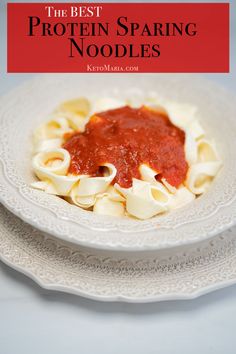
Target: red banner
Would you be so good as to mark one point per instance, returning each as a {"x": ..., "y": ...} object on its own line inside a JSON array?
[{"x": 118, "y": 37}]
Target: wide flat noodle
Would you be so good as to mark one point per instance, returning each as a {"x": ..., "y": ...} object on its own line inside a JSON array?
[
  {"x": 149, "y": 175},
  {"x": 70, "y": 116},
  {"x": 55, "y": 128},
  {"x": 95, "y": 185},
  {"x": 82, "y": 201},
  {"x": 45, "y": 186},
  {"x": 205, "y": 168},
  {"x": 182, "y": 197},
  {"x": 106, "y": 103},
  {"x": 178, "y": 196},
  {"x": 106, "y": 206},
  {"x": 78, "y": 106},
  {"x": 181, "y": 115},
  {"x": 200, "y": 175},
  {"x": 144, "y": 200},
  {"x": 90, "y": 200},
  {"x": 48, "y": 144},
  {"x": 206, "y": 151},
  {"x": 196, "y": 130},
  {"x": 190, "y": 148},
  {"x": 52, "y": 165}
]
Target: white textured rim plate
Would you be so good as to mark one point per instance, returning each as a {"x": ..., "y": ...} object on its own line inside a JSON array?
[
  {"x": 29, "y": 105},
  {"x": 143, "y": 277}
]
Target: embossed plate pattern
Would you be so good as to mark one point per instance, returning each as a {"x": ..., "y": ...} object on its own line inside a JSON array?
[
  {"x": 143, "y": 277},
  {"x": 24, "y": 108}
]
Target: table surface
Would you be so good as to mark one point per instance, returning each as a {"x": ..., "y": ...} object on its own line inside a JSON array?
[{"x": 34, "y": 320}]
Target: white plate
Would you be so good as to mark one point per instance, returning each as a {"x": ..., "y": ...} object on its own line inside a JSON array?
[
  {"x": 142, "y": 277},
  {"x": 25, "y": 108}
]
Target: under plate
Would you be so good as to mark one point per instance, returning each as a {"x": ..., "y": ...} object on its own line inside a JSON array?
[{"x": 183, "y": 273}]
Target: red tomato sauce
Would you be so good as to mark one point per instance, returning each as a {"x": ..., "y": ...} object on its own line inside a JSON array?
[{"x": 128, "y": 137}]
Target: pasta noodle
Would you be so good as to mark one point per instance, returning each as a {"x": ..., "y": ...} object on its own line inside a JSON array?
[
  {"x": 51, "y": 166},
  {"x": 200, "y": 176},
  {"x": 182, "y": 197},
  {"x": 47, "y": 144},
  {"x": 55, "y": 128},
  {"x": 95, "y": 185},
  {"x": 105, "y": 205},
  {"x": 104, "y": 104},
  {"x": 206, "y": 166},
  {"x": 147, "y": 196},
  {"x": 144, "y": 200}
]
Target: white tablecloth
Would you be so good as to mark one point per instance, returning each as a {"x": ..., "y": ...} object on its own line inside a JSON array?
[{"x": 36, "y": 321}]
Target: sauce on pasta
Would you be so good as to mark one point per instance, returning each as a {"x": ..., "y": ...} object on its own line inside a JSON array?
[{"x": 128, "y": 137}]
